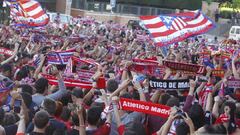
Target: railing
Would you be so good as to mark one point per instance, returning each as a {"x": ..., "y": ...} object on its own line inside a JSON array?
[{"x": 120, "y": 8}]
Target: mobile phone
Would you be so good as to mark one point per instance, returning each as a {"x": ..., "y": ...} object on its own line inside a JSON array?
[{"x": 17, "y": 106}]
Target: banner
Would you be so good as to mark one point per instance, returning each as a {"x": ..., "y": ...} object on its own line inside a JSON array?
[
  {"x": 6, "y": 51},
  {"x": 147, "y": 67},
  {"x": 185, "y": 67},
  {"x": 233, "y": 83},
  {"x": 169, "y": 84},
  {"x": 145, "y": 107}
]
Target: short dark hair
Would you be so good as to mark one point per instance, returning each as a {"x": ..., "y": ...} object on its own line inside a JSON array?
[
  {"x": 9, "y": 119},
  {"x": 215, "y": 129},
  {"x": 26, "y": 88},
  {"x": 66, "y": 113},
  {"x": 112, "y": 85},
  {"x": 93, "y": 115},
  {"x": 182, "y": 129},
  {"x": 77, "y": 92},
  {"x": 21, "y": 74},
  {"x": 135, "y": 128},
  {"x": 41, "y": 85},
  {"x": 126, "y": 95},
  {"x": 196, "y": 113},
  {"x": 59, "y": 132},
  {"x": 50, "y": 106},
  {"x": 164, "y": 98},
  {"x": 41, "y": 119},
  {"x": 75, "y": 120},
  {"x": 173, "y": 101},
  {"x": 6, "y": 67}
]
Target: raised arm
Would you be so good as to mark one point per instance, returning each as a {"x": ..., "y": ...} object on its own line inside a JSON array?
[
  {"x": 13, "y": 56},
  {"x": 80, "y": 110},
  {"x": 215, "y": 110},
  {"x": 122, "y": 86},
  {"x": 38, "y": 70},
  {"x": 62, "y": 88},
  {"x": 234, "y": 69}
]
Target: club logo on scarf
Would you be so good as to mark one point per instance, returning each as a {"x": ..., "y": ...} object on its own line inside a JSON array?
[
  {"x": 145, "y": 107},
  {"x": 59, "y": 58},
  {"x": 169, "y": 84},
  {"x": 185, "y": 67},
  {"x": 233, "y": 83}
]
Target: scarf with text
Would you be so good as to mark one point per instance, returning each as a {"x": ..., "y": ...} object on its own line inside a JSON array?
[
  {"x": 6, "y": 51},
  {"x": 233, "y": 83},
  {"x": 218, "y": 73},
  {"x": 147, "y": 67},
  {"x": 145, "y": 107},
  {"x": 185, "y": 67},
  {"x": 169, "y": 84}
]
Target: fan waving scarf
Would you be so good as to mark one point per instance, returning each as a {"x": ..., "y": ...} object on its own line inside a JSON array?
[
  {"x": 28, "y": 12},
  {"x": 169, "y": 29}
]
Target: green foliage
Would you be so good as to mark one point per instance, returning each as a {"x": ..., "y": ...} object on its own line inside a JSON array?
[
  {"x": 236, "y": 3},
  {"x": 226, "y": 14}
]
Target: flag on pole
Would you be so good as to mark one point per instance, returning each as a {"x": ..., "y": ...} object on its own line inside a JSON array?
[
  {"x": 169, "y": 29},
  {"x": 28, "y": 12}
]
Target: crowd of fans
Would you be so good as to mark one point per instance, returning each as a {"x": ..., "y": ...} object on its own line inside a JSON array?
[{"x": 31, "y": 105}]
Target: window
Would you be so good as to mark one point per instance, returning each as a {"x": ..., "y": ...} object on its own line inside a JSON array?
[
  {"x": 233, "y": 30},
  {"x": 237, "y": 31}
]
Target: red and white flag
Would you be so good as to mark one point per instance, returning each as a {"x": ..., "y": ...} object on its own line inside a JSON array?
[
  {"x": 169, "y": 29},
  {"x": 28, "y": 12}
]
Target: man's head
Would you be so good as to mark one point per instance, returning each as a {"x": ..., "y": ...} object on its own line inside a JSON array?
[
  {"x": 76, "y": 93},
  {"x": 41, "y": 119},
  {"x": 6, "y": 70},
  {"x": 112, "y": 85},
  {"x": 49, "y": 105},
  {"x": 25, "y": 88},
  {"x": 41, "y": 85},
  {"x": 93, "y": 115}
]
